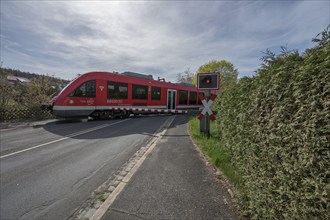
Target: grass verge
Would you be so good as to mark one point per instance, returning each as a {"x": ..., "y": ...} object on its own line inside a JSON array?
[{"x": 214, "y": 149}]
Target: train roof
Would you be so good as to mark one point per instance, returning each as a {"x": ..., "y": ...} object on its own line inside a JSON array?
[{"x": 139, "y": 75}]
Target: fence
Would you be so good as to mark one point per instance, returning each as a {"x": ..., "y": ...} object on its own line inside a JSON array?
[{"x": 23, "y": 114}]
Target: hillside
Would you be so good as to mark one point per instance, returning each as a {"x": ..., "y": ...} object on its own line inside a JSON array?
[{"x": 14, "y": 72}]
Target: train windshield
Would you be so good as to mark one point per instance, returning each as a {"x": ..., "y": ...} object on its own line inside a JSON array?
[
  {"x": 69, "y": 84},
  {"x": 87, "y": 89}
]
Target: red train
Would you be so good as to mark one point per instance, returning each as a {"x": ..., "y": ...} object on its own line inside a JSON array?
[{"x": 104, "y": 95}]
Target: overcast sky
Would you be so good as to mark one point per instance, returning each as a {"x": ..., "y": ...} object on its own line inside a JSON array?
[{"x": 162, "y": 38}]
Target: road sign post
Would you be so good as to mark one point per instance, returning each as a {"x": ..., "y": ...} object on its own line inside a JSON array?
[
  {"x": 205, "y": 122},
  {"x": 207, "y": 82}
]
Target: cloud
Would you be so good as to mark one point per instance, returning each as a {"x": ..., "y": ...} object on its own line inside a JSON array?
[{"x": 162, "y": 38}]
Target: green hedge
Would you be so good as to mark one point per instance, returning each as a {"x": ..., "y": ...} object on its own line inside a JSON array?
[{"x": 276, "y": 127}]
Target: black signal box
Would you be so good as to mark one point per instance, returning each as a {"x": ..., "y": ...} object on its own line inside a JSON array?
[{"x": 207, "y": 81}]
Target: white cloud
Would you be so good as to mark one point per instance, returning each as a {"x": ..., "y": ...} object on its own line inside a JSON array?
[{"x": 70, "y": 37}]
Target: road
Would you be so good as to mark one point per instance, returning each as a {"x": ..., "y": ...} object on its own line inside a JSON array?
[{"x": 48, "y": 171}]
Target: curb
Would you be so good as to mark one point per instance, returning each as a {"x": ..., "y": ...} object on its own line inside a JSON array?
[
  {"x": 216, "y": 171},
  {"x": 231, "y": 190}
]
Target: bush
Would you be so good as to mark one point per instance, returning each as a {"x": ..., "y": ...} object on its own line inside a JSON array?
[
  {"x": 276, "y": 127},
  {"x": 22, "y": 101}
]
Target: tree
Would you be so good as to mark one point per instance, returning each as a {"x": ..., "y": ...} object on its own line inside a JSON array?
[
  {"x": 186, "y": 77},
  {"x": 5, "y": 89},
  {"x": 38, "y": 91},
  {"x": 323, "y": 38}
]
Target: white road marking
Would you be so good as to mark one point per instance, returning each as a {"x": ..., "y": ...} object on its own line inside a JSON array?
[{"x": 64, "y": 138}]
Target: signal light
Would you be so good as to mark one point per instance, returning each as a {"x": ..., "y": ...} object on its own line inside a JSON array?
[{"x": 208, "y": 81}]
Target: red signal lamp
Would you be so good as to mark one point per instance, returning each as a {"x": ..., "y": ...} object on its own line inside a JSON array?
[{"x": 208, "y": 81}]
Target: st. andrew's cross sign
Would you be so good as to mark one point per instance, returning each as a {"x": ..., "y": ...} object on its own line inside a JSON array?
[
  {"x": 207, "y": 82},
  {"x": 207, "y": 107}
]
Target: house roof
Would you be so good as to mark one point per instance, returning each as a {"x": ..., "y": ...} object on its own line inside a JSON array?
[{"x": 17, "y": 79}]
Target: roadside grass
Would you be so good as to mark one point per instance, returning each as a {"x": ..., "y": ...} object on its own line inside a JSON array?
[{"x": 214, "y": 149}]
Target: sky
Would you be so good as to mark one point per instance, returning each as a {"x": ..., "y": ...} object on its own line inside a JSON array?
[{"x": 162, "y": 38}]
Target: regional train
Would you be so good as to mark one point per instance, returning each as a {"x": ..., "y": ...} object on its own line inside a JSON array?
[{"x": 105, "y": 95}]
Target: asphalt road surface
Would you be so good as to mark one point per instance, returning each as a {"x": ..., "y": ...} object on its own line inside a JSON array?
[{"x": 48, "y": 171}]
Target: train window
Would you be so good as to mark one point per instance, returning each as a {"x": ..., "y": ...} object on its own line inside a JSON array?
[
  {"x": 117, "y": 90},
  {"x": 87, "y": 89},
  {"x": 139, "y": 92},
  {"x": 155, "y": 93},
  {"x": 193, "y": 98},
  {"x": 183, "y": 97}
]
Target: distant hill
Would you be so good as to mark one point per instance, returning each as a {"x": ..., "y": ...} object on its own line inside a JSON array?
[{"x": 30, "y": 76}]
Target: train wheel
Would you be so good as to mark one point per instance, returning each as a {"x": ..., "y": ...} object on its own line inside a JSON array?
[
  {"x": 103, "y": 115},
  {"x": 107, "y": 115},
  {"x": 126, "y": 114}
]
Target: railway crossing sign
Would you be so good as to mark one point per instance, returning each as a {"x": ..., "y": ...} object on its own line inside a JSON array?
[
  {"x": 207, "y": 82},
  {"x": 207, "y": 107}
]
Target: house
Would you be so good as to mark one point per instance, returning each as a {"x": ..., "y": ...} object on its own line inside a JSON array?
[{"x": 15, "y": 79}]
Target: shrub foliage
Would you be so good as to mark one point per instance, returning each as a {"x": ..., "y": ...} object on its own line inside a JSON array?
[
  {"x": 21, "y": 101},
  {"x": 276, "y": 127}
]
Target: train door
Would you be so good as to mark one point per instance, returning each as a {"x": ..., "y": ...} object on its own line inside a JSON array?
[{"x": 171, "y": 99}]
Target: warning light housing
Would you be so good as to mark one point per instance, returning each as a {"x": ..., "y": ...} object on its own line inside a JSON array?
[{"x": 208, "y": 81}]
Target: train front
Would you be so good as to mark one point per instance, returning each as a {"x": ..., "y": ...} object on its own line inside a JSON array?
[{"x": 76, "y": 100}]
